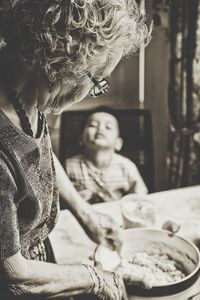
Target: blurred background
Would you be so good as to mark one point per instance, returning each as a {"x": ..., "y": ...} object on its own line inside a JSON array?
[{"x": 165, "y": 80}]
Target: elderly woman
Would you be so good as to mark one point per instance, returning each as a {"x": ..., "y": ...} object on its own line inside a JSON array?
[{"x": 52, "y": 54}]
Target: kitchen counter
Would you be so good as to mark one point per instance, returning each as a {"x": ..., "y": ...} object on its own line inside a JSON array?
[{"x": 71, "y": 244}]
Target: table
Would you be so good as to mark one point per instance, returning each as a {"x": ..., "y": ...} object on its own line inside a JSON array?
[
  {"x": 71, "y": 244},
  {"x": 180, "y": 205}
]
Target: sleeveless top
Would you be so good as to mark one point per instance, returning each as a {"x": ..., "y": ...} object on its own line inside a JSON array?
[{"x": 26, "y": 223}]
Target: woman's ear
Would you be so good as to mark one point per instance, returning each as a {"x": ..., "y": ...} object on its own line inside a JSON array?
[{"x": 119, "y": 144}]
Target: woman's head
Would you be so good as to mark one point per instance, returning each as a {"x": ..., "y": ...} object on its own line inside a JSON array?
[
  {"x": 70, "y": 38},
  {"x": 74, "y": 36}
]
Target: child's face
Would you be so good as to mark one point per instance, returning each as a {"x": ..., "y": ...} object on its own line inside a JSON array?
[{"x": 101, "y": 131}]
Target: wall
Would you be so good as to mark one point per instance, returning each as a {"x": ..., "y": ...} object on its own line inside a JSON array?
[
  {"x": 124, "y": 94},
  {"x": 157, "y": 77}
]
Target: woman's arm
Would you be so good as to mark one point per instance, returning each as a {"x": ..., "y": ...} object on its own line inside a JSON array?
[
  {"x": 28, "y": 278},
  {"x": 101, "y": 228}
]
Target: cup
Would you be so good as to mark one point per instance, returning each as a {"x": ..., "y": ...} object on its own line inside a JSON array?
[{"x": 137, "y": 211}]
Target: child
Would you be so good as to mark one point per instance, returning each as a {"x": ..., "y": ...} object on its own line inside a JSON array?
[{"x": 99, "y": 173}]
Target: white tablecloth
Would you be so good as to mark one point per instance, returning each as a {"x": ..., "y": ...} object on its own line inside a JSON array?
[{"x": 71, "y": 244}]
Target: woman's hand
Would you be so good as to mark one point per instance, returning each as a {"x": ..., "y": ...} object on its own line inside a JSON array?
[
  {"x": 107, "y": 285},
  {"x": 113, "y": 288},
  {"x": 130, "y": 279},
  {"x": 103, "y": 230}
]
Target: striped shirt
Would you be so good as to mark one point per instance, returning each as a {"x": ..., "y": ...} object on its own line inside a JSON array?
[{"x": 121, "y": 177}]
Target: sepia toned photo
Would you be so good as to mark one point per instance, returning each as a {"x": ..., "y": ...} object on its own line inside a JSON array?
[{"x": 99, "y": 149}]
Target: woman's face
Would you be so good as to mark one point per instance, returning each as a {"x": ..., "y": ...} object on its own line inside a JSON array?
[{"x": 72, "y": 91}]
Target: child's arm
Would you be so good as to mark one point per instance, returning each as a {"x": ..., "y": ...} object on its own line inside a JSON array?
[{"x": 137, "y": 184}]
